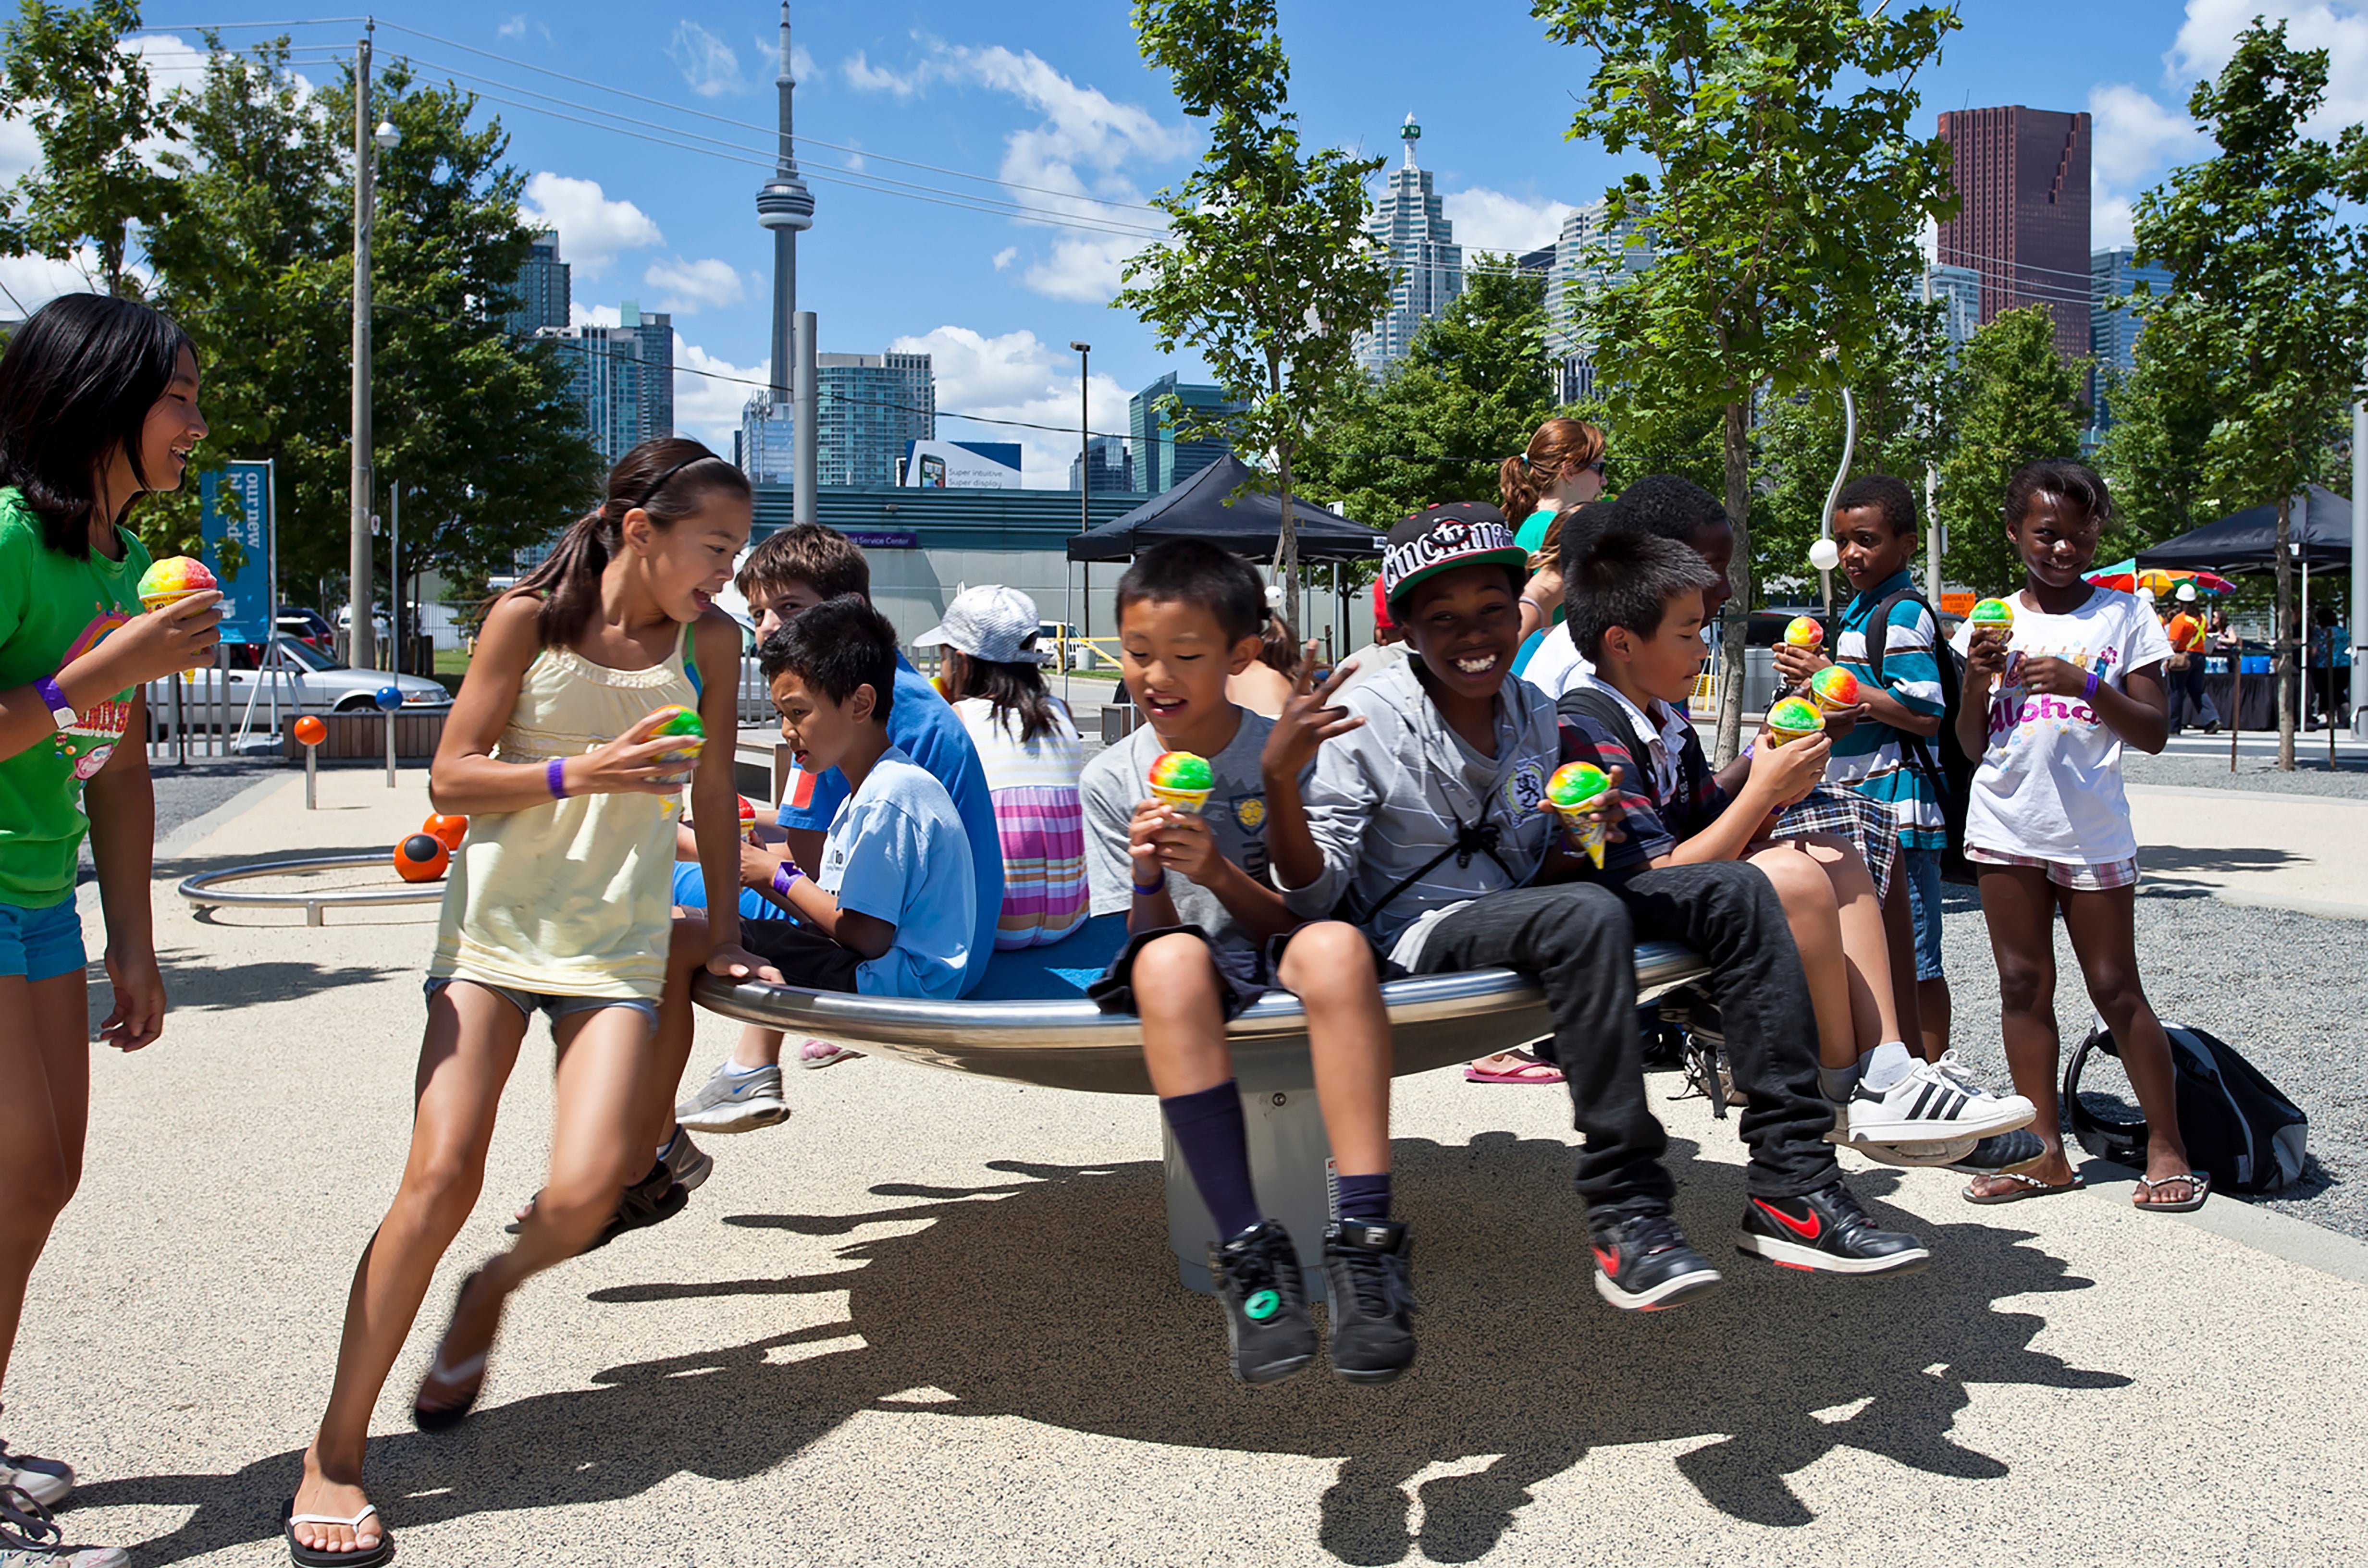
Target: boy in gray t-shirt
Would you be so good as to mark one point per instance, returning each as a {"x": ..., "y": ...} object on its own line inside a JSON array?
[{"x": 1208, "y": 933}]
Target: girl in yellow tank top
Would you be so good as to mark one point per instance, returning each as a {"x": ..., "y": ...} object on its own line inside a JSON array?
[{"x": 558, "y": 900}]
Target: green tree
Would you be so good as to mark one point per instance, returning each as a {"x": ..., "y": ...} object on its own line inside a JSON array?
[
  {"x": 2152, "y": 455},
  {"x": 2017, "y": 402},
  {"x": 87, "y": 98},
  {"x": 1900, "y": 391},
  {"x": 1784, "y": 204},
  {"x": 1270, "y": 273},
  {"x": 1476, "y": 382},
  {"x": 475, "y": 426},
  {"x": 2268, "y": 283}
]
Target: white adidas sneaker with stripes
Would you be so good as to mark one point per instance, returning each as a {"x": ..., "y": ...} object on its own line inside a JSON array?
[{"x": 1930, "y": 1106}]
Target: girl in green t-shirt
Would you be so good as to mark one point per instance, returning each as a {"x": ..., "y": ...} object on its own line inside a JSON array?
[{"x": 98, "y": 406}]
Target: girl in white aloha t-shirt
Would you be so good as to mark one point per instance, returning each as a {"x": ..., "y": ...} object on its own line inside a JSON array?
[{"x": 2075, "y": 678}]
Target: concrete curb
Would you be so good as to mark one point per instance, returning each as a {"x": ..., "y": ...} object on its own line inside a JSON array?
[
  {"x": 2263, "y": 1230},
  {"x": 2258, "y": 797}
]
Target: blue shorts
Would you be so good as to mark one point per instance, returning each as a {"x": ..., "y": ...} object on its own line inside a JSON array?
[
  {"x": 690, "y": 892},
  {"x": 1922, "y": 867},
  {"x": 41, "y": 944},
  {"x": 554, "y": 1007}
]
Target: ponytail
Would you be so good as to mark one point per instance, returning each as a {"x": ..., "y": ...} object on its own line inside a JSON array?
[
  {"x": 666, "y": 480},
  {"x": 1520, "y": 494}
]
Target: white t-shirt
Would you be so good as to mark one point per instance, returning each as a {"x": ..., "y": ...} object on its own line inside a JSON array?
[
  {"x": 2050, "y": 781},
  {"x": 1557, "y": 665}
]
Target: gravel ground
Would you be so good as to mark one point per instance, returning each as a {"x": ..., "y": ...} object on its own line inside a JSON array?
[
  {"x": 2281, "y": 987},
  {"x": 2310, "y": 776}
]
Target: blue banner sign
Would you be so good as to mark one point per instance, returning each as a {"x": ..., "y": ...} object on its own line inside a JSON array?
[{"x": 234, "y": 503}]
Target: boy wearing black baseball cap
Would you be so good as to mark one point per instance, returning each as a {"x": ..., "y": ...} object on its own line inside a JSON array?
[{"x": 1426, "y": 821}]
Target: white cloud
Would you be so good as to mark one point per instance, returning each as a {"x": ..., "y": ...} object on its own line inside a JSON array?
[
  {"x": 2207, "y": 39},
  {"x": 20, "y": 150},
  {"x": 707, "y": 406},
  {"x": 513, "y": 29},
  {"x": 1488, "y": 220},
  {"x": 707, "y": 63},
  {"x": 684, "y": 285},
  {"x": 2135, "y": 138},
  {"x": 1073, "y": 162},
  {"x": 1016, "y": 376},
  {"x": 1005, "y": 256},
  {"x": 593, "y": 230},
  {"x": 28, "y": 283},
  {"x": 581, "y": 314}
]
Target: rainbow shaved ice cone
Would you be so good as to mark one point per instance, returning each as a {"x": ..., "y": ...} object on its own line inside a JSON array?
[
  {"x": 1793, "y": 718},
  {"x": 1833, "y": 687},
  {"x": 680, "y": 720},
  {"x": 1992, "y": 612},
  {"x": 1576, "y": 788},
  {"x": 1802, "y": 632},
  {"x": 1182, "y": 779},
  {"x": 747, "y": 816},
  {"x": 173, "y": 579}
]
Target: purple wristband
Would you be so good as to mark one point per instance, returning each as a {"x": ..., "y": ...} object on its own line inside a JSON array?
[
  {"x": 54, "y": 700},
  {"x": 783, "y": 875},
  {"x": 555, "y": 774},
  {"x": 2092, "y": 685}
]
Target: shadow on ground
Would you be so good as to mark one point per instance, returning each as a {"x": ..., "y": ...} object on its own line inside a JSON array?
[{"x": 1052, "y": 1297}]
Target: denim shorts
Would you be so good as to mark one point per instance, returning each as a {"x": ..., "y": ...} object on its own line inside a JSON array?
[
  {"x": 555, "y": 1007},
  {"x": 41, "y": 944},
  {"x": 1922, "y": 868}
]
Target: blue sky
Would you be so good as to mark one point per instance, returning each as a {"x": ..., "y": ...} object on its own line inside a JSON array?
[{"x": 1052, "y": 96}]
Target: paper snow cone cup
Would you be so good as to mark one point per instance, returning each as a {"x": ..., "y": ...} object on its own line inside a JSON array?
[
  {"x": 1794, "y": 719},
  {"x": 1573, "y": 794},
  {"x": 168, "y": 581},
  {"x": 1181, "y": 779}
]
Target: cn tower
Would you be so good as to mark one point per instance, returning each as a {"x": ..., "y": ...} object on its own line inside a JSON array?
[{"x": 784, "y": 205}]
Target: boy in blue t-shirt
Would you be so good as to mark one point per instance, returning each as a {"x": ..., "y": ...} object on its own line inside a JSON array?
[
  {"x": 890, "y": 912},
  {"x": 791, "y": 570},
  {"x": 1891, "y": 753}
]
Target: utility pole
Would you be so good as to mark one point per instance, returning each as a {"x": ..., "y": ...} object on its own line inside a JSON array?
[
  {"x": 1085, "y": 471},
  {"x": 2357, "y": 610},
  {"x": 361, "y": 650}
]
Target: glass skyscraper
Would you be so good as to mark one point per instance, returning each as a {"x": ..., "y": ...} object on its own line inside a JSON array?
[
  {"x": 1161, "y": 461},
  {"x": 1426, "y": 264},
  {"x": 542, "y": 289},
  {"x": 2023, "y": 221},
  {"x": 623, "y": 379},
  {"x": 866, "y": 407}
]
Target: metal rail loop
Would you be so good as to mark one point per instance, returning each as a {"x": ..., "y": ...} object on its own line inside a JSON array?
[{"x": 205, "y": 890}]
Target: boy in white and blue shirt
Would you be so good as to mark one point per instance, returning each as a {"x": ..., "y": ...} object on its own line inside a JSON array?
[{"x": 1892, "y": 754}]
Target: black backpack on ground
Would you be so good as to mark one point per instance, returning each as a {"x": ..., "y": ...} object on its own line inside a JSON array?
[
  {"x": 2238, "y": 1128},
  {"x": 1937, "y": 757}
]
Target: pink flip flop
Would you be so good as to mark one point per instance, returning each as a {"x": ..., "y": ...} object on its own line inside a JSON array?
[
  {"x": 816, "y": 1055},
  {"x": 1531, "y": 1069}
]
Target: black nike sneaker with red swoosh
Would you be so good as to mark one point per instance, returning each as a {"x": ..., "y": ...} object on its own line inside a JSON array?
[
  {"x": 1825, "y": 1230},
  {"x": 1643, "y": 1265}
]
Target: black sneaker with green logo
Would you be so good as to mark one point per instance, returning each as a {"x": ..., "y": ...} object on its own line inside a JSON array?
[{"x": 1267, "y": 1326}]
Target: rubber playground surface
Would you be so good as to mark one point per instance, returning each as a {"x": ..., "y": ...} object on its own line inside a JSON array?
[{"x": 933, "y": 1320}]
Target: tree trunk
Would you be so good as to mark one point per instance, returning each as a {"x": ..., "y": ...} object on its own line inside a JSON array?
[
  {"x": 1733, "y": 624},
  {"x": 2281, "y": 660}
]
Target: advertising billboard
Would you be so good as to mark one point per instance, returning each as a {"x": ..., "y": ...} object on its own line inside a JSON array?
[
  {"x": 235, "y": 508},
  {"x": 961, "y": 465}
]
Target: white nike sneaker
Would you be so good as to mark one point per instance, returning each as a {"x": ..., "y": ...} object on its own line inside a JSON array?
[{"x": 735, "y": 1102}]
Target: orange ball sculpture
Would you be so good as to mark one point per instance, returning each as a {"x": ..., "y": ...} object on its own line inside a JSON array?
[
  {"x": 421, "y": 858},
  {"x": 448, "y": 829},
  {"x": 310, "y": 732}
]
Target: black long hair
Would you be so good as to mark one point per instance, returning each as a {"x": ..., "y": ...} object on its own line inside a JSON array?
[
  {"x": 76, "y": 383},
  {"x": 1015, "y": 695},
  {"x": 669, "y": 479}
]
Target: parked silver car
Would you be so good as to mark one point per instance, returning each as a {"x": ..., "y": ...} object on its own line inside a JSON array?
[{"x": 294, "y": 677}]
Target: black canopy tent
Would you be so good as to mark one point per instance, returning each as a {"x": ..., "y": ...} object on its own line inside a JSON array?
[
  {"x": 2246, "y": 542},
  {"x": 1249, "y": 526}
]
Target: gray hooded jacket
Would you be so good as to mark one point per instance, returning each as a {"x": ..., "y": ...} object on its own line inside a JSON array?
[{"x": 1387, "y": 799}]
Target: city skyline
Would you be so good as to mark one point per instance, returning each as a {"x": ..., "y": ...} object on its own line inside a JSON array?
[{"x": 1058, "y": 104}]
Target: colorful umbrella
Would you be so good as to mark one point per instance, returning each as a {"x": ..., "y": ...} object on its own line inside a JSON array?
[{"x": 2126, "y": 576}]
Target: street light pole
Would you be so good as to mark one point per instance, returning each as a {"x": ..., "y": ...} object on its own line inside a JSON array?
[{"x": 361, "y": 650}]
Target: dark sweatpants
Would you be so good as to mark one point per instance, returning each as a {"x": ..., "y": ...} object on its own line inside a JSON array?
[{"x": 1578, "y": 939}]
